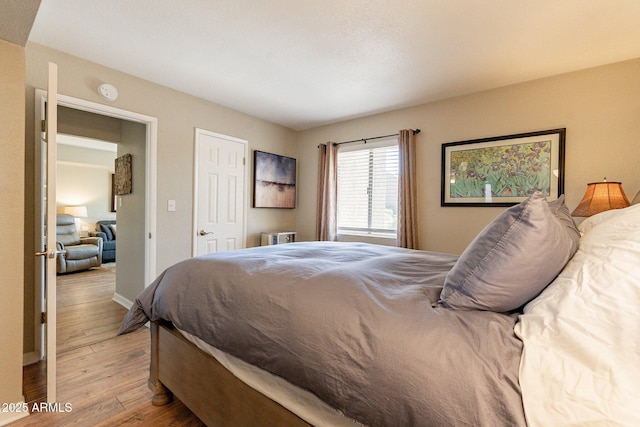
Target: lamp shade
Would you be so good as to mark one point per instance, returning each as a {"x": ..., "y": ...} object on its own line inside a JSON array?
[
  {"x": 76, "y": 211},
  {"x": 600, "y": 197}
]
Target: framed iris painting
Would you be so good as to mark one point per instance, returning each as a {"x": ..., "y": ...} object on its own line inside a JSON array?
[
  {"x": 503, "y": 170},
  {"x": 274, "y": 184}
]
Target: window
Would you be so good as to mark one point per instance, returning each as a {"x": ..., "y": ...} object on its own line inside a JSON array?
[{"x": 368, "y": 188}]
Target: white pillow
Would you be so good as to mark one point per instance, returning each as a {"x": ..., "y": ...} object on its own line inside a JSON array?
[
  {"x": 598, "y": 219},
  {"x": 581, "y": 358}
]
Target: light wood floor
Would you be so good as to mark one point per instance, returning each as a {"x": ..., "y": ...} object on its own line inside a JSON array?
[{"x": 102, "y": 376}]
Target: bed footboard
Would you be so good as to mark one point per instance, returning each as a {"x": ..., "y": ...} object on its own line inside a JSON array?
[{"x": 206, "y": 387}]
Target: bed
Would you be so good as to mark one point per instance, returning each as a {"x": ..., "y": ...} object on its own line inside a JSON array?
[{"x": 327, "y": 333}]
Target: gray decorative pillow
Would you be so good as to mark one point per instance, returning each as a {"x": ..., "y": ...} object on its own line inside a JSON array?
[
  {"x": 106, "y": 230},
  {"x": 514, "y": 258}
]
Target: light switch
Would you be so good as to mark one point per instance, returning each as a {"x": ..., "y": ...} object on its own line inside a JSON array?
[{"x": 171, "y": 205}]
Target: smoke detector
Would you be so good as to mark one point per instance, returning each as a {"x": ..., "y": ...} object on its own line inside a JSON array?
[{"x": 108, "y": 92}]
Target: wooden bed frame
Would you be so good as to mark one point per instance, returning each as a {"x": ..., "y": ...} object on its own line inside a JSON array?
[{"x": 206, "y": 387}]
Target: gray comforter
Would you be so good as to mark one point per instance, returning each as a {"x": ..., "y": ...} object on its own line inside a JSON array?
[{"x": 355, "y": 324}]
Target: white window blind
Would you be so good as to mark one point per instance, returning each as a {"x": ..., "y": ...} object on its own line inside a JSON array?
[{"x": 368, "y": 188}]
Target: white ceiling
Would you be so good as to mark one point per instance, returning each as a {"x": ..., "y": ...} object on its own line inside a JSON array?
[{"x": 304, "y": 63}]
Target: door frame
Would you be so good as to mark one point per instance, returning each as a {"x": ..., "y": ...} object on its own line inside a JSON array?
[
  {"x": 151, "y": 124},
  {"x": 196, "y": 155}
]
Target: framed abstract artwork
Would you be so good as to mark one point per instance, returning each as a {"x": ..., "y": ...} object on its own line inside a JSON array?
[
  {"x": 274, "y": 184},
  {"x": 503, "y": 170}
]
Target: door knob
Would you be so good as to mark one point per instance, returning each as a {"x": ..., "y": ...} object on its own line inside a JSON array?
[
  {"x": 50, "y": 254},
  {"x": 204, "y": 233}
]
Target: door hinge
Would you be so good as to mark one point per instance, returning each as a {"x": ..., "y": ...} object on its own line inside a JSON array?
[
  {"x": 43, "y": 317},
  {"x": 44, "y": 126},
  {"x": 244, "y": 159}
]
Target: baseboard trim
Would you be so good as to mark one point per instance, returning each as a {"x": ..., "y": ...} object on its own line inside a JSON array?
[
  {"x": 30, "y": 358},
  {"x": 122, "y": 301}
]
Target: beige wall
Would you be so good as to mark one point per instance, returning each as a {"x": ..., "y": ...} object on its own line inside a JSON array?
[
  {"x": 599, "y": 107},
  {"x": 84, "y": 178},
  {"x": 90, "y": 125},
  {"x": 12, "y": 67},
  {"x": 178, "y": 115}
]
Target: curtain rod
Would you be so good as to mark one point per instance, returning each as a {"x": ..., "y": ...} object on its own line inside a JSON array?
[{"x": 415, "y": 132}]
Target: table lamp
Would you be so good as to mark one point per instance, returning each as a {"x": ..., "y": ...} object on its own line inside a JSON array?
[
  {"x": 600, "y": 197},
  {"x": 76, "y": 212}
]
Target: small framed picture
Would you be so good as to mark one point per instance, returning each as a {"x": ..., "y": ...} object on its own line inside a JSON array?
[{"x": 123, "y": 184}]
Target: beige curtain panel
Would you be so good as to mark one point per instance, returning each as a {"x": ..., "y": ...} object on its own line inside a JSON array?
[
  {"x": 326, "y": 222},
  {"x": 407, "y": 199}
]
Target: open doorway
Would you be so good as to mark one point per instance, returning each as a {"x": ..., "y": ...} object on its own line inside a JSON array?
[
  {"x": 136, "y": 212},
  {"x": 84, "y": 190},
  {"x": 84, "y": 182}
]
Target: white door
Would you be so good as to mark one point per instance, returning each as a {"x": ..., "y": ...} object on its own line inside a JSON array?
[
  {"x": 220, "y": 193},
  {"x": 47, "y": 247}
]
